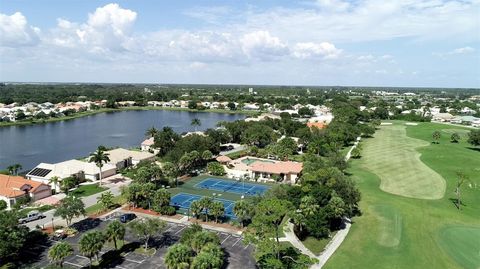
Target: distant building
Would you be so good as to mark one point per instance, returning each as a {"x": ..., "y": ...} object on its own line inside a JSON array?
[
  {"x": 121, "y": 158},
  {"x": 147, "y": 144}
]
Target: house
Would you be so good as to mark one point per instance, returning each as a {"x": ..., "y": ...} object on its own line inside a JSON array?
[
  {"x": 442, "y": 117},
  {"x": 262, "y": 117},
  {"x": 71, "y": 168},
  {"x": 147, "y": 144},
  {"x": 121, "y": 158},
  {"x": 317, "y": 124},
  {"x": 467, "y": 120},
  {"x": 265, "y": 169},
  {"x": 13, "y": 188}
]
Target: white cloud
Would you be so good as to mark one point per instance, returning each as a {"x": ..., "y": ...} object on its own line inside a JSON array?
[
  {"x": 260, "y": 44},
  {"x": 310, "y": 50},
  {"x": 463, "y": 50},
  {"x": 15, "y": 31}
]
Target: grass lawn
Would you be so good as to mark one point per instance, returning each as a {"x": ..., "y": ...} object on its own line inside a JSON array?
[
  {"x": 87, "y": 190},
  {"x": 396, "y": 231},
  {"x": 97, "y": 208},
  {"x": 314, "y": 245}
]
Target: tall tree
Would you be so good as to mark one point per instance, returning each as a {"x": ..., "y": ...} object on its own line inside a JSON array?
[
  {"x": 243, "y": 211},
  {"x": 147, "y": 228},
  {"x": 196, "y": 122},
  {"x": 436, "y": 136},
  {"x": 217, "y": 209},
  {"x": 474, "y": 137},
  {"x": 58, "y": 252},
  {"x": 91, "y": 244},
  {"x": 269, "y": 214},
  {"x": 178, "y": 256},
  {"x": 461, "y": 179},
  {"x": 151, "y": 132},
  {"x": 17, "y": 167},
  {"x": 106, "y": 200},
  {"x": 12, "y": 235},
  {"x": 196, "y": 208},
  {"x": 115, "y": 231},
  {"x": 455, "y": 138},
  {"x": 69, "y": 208},
  {"x": 99, "y": 157},
  {"x": 54, "y": 180},
  {"x": 206, "y": 203}
]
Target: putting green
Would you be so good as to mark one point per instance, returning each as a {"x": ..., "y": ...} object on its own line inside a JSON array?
[
  {"x": 389, "y": 225},
  {"x": 394, "y": 158},
  {"x": 462, "y": 244}
]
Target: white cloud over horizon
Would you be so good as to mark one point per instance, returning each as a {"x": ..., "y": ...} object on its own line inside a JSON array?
[{"x": 317, "y": 39}]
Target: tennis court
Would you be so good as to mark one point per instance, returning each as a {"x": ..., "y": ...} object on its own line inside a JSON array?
[
  {"x": 232, "y": 186},
  {"x": 184, "y": 200}
]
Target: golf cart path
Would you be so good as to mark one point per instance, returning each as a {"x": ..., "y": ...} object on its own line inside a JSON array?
[{"x": 332, "y": 246}]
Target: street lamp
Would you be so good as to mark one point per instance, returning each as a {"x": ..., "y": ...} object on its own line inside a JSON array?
[{"x": 53, "y": 226}]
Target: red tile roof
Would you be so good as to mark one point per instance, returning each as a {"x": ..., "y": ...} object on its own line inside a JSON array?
[
  {"x": 277, "y": 168},
  {"x": 319, "y": 125},
  {"x": 14, "y": 186}
]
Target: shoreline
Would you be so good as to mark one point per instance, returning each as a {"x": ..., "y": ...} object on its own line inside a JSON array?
[{"x": 109, "y": 110}]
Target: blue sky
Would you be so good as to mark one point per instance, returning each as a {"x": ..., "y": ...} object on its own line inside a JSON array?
[{"x": 432, "y": 43}]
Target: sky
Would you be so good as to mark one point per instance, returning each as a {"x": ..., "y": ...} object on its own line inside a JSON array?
[{"x": 401, "y": 43}]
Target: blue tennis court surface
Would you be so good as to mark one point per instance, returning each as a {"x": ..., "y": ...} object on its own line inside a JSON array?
[
  {"x": 232, "y": 186},
  {"x": 184, "y": 200}
]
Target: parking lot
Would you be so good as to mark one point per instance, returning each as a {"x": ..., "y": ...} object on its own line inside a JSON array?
[{"x": 238, "y": 255}]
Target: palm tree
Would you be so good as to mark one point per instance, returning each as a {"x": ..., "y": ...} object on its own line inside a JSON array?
[
  {"x": 91, "y": 244},
  {"x": 115, "y": 231},
  {"x": 151, "y": 132},
  {"x": 16, "y": 168},
  {"x": 196, "y": 122},
  {"x": 242, "y": 211},
  {"x": 54, "y": 180},
  {"x": 210, "y": 256},
  {"x": 196, "y": 208},
  {"x": 99, "y": 157},
  {"x": 11, "y": 169},
  {"x": 217, "y": 209},
  {"x": 178, "y": 257},
  {"x": 58, "y": 252},
  {"x": 206, "y": 203},
  {"x": 309, "y": 205}
]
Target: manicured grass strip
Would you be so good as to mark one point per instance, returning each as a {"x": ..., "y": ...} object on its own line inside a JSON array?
[
  {"x": 96, "y": 208},
  {"x": 315, "y": 245},
  {"x": 87, "y": 190},
  {"x": 394, "y": 158},
  {"x": 463, "y": 244}
]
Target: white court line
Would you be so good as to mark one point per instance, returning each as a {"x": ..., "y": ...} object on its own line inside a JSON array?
[
  {"x": 74, "y": 264},
  {"x": 225, "y": 239},
  {"x": 180, "y": 230},
  {"x": 237, "y": 241},
  {"x": 246, "y": 246}
]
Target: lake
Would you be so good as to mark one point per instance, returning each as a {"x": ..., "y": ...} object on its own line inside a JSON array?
[{"x": 64, "y": 140}]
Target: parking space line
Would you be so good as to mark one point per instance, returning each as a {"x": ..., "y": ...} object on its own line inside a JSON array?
[
  {"x": 237, "y": 241},
  {"x": 139, "y": 262},
  {"x": 181, "y": 229},
  {"x": 246, "y": 246},
  {"x": 225, "y": 239},
  {"x": 82, "y": 257},
  {"x": 120, "y": 267},
  {"x": 74, "y": 264}
]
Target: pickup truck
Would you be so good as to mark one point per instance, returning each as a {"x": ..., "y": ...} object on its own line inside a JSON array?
[{"x": 31, "y": 216}]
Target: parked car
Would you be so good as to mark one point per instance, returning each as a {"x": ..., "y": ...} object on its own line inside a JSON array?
[
  {"x": 59, "y": 235},
  {"x": 31, "y": 216},
  {"x": 127, "y": 217}
]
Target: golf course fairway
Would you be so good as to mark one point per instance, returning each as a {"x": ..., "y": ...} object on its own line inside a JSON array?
[{"x": 413, "y": 222}]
